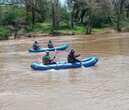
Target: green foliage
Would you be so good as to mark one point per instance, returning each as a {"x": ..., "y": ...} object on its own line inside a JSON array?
[
  {"x": 101, "y": 21},
  {"x": 65, "y": 16},
  {"x": 98, "y": 30},
  {"x": 40, "y": 27},
  {"x": 79, "y": 29},
  {"x": 46, "y": 28},
  {"x": 76, "y": 29},
  {"x": 4, "y": 33},
  {"x": 10, "y": 14},
  {"x": 8, "y": 18}
]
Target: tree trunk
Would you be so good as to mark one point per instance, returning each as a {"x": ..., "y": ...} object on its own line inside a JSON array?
[
  {"x": 71, "y": 20},
  {"x": 53, "y": 17},
  {"x": 56, "y": 7},
  {"x": 89, "y": 24},
  {"x": 33, "y": 16},
  {"x": 89, "y": 29},
  {"x": 15, "y": 34},
  {"x": 27, "y": 11},
  {"x": 127, "y": 12},
  {"x": 119, "y": 14},
  {"x": 118, "y": 22}
]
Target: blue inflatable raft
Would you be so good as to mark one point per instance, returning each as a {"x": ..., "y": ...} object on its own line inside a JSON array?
[
  {"x": 87, "y": 62},
  {"x": 61, "y": 47}
]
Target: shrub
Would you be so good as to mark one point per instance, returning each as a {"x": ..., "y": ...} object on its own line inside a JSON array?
[{"x": 4, "y": 33}]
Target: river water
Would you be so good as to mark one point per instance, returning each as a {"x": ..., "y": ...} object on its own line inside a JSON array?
[{"x": 103, "y": 87}]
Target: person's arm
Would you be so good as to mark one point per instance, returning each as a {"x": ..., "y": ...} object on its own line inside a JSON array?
[
  {"x": 43, "y": 60},
  {"x": 38, "y": 45},
  {"x": 53, "y": 58},
  {"x": 77, "y": 55}
]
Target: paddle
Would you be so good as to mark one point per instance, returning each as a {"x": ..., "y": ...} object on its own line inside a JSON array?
[{"x": 55, "y": 53}]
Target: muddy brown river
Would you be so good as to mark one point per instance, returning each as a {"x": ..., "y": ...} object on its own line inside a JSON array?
[{"x": 103, "y": 87}]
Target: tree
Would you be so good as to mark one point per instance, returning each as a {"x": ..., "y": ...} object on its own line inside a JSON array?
[
  {"x": 55, "y": 14},
  {"x": 70, "y": 6},
  {"x": 119, "y": 10},
  {"x": 91, "y": 12},
  {"x": 84, "y": 11}
]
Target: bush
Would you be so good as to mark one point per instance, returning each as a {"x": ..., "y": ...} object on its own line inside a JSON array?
[
  {"x": 8, "y": 18},
  {"x": 40, "y": 27},
  {"x": 4, "y": 33},
  {"x": 101, "y": 21}
]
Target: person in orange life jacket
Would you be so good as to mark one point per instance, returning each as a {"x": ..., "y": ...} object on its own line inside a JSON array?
[{"x": 72, "y": 57}]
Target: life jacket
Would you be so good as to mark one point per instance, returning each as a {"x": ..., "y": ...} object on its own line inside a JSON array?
[
  {"x": 50, "y": 45},
  {"x": 46, "y": 59},
  {"x": 71, "y": 58},
  {"x": 35, "y": 46}
]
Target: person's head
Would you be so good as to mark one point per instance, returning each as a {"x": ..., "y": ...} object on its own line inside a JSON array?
[
  {"x": 50, "y": 41},
  {"x": 47, "y": 53},
  {"x": 72, "y": 51},
  {"x": 35, "y": 42}
]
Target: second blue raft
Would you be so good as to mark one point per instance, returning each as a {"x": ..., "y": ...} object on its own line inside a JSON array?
[{"x": 61, "y": 47}]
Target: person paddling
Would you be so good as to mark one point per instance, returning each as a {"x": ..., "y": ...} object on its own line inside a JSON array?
[
  {"x": 50, "y": 44},
  {"x": 46, "y": 60},
  {"x": 72, "y": 57},
  {"x": 36, "y": 45}
]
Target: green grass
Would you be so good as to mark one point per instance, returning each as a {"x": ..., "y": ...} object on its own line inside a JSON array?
[
  {"x": 80, "y": 29},
  {"x": 40, "y": 27},
  {"x": 98, "y": 30},
  {"x": 66, "y": 29},
  {"x": 46, "y": 28}
]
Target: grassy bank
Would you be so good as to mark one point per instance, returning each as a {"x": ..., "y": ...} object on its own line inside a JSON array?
[
  {"x": 46, "y": 28},
  {"x": 4, "y": 33}
]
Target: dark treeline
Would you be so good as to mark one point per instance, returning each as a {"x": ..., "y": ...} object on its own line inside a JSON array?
[{"x": 50, "y": 16}]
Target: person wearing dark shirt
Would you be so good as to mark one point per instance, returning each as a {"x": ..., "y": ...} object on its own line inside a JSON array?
[
  {"x": 72, "y": 57},
  {"x": 50, "y": 44},
  {"x": 36, "y": 45}
]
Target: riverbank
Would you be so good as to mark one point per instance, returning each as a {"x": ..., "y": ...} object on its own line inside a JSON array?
[{"x": 62, "y": 33}]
